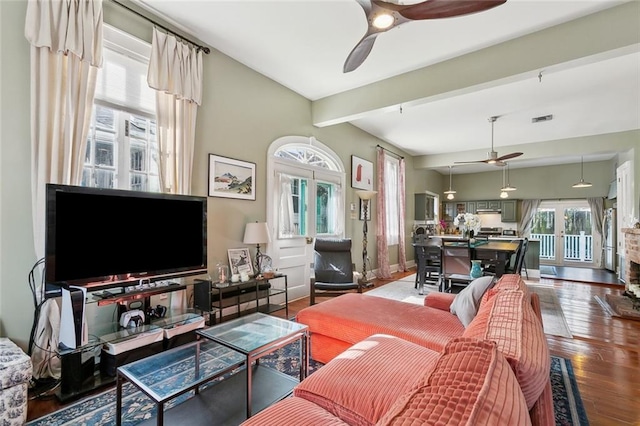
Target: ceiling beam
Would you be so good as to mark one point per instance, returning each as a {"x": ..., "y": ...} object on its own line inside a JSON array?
[{"x": 609, "y": 33}]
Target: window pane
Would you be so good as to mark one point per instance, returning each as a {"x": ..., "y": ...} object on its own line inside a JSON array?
[
  {"x": 104, "y": 179},
  {"x": 323, "y": 195},
  {"x": 138, "y": 127},
  {"x": 138, "y": 182},
  {"x": 138, "y": 156},
  {"x": 104, "y": 154},
  {"x": 105, "y": 118}
]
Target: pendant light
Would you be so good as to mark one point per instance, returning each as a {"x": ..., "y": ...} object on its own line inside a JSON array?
[
  {"x": 450, "y": 192},
  {"x": 582, "y": 183},
  {"x": 508, "y": 186},
  {"x": 503, "y": 192}
]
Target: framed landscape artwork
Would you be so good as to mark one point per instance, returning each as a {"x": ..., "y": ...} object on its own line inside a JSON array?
[
  {"x": 361, "y": 173},
  {"x": 231, "y": 178}
]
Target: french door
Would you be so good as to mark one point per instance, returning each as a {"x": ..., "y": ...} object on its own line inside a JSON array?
[
  {"x": 305, "y": 203},
  {"x": 564, "y": 229}
]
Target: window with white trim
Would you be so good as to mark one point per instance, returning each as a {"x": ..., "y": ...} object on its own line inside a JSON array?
[
  {"x": 392, "y": 199},
  {"x": 122, "y": 148}
]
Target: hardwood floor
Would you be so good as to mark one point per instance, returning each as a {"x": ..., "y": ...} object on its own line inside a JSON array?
[{"x": 604, "y": 352}]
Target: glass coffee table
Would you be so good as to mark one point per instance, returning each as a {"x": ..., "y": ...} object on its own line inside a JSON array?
[
  {"x": 224, "y": 393},
  {"x": 255, "y": 336}
]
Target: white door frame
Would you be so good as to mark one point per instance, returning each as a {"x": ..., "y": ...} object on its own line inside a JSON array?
[{"x": 294, "y": 256}]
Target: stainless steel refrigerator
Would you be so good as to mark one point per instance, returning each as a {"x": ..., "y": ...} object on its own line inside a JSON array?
[{"x": 609, "y": 236}]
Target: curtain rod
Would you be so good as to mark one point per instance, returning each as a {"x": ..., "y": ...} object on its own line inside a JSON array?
[
  {"x": 390, "y": 152},
  {"x": 205, "y": 49}
]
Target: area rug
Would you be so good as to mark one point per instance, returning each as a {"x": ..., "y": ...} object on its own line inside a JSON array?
[
  {"x": 621, "y": 306},
  {"x": 567, "y": 403},
  {"x": 100, "y": 409},
  {"x": 553, "y": 319},
  {"x": 403, "y": 290}
]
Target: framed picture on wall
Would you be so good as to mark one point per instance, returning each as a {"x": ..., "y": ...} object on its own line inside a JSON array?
[
  {"x": 231, "y": 178},
  {"x": 361, "y": 173}
]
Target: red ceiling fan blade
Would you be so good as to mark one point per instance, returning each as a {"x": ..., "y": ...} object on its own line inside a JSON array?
[{"x": 436, "y": 9}]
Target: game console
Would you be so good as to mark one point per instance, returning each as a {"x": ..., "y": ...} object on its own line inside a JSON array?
[
  {"x": 73, "y": 327},
  {"x": 131, "y": 319}
]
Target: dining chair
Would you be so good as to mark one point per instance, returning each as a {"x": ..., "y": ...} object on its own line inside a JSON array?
[
  {"x": 429, "y": 257},
  {"x": 456, "y": 265}
]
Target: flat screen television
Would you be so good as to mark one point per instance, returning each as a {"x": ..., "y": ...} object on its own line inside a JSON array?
[{"x": 103, "y": 238}]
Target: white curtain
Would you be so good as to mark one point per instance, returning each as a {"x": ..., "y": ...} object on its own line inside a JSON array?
[
  {"x": 175, "y": 72},
  {"x": 337, "y": 219},
  {"x": 286, "y": 218},
  {"x": 66, "y": 51},
  {"x": 402, "y": 253},
  {"x": 529, "y": 209},
  {"x": 597, "y": 214}
]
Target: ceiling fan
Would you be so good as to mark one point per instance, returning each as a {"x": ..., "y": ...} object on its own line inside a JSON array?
[
  {"x": 384, "y": 15},
  {"x": 492, "y": 156}
]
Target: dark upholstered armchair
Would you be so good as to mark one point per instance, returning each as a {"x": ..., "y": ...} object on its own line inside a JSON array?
[{"x": 333, "y": 268}]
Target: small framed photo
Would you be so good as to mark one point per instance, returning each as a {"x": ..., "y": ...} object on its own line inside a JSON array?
[
  {"x": 361, "y": 173},
  {"x": 231, "y": 178},
  {"x": 362, "y": 210},
  {"x": 240, "y": 261}
]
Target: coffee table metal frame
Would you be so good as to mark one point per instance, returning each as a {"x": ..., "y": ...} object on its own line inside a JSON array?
[
  {"x": 150, "y": 384},
  {"x": 257, "y": 335}
]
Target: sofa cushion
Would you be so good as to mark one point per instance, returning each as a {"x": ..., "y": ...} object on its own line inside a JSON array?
[
  {"x": 466, "y": 303},
  {"x": 361, "y": 384},
  {"x": 470, "y": 384},
  {"x": 508, "y": 319},
  {"x": 353, "y": 317},
  {"x": 294, "y": 412},
  {"x": 507, "y": 282},
  {"x": 439, "y": 300}
]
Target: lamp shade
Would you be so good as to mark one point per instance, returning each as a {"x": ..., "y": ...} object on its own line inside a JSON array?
[
  {"x": 256, "y": 233},
  {"x": 366, "y": 195}
]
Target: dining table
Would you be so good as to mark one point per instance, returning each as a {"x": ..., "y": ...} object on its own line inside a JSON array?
[{"x": 490, "y": 252}]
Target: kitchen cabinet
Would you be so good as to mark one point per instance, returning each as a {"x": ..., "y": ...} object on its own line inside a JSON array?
[
  {"x": 471, "y": 207},
  {"x": 509, "y": 211},
  {"x": 449, "y": 211},
  {"x": 424, "y": 208},
  {"x": 488, "y": 205}
]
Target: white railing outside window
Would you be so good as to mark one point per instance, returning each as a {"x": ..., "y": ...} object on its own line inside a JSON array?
[{"x": 577, "y": 248}]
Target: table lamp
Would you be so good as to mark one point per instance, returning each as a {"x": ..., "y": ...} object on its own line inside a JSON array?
[
  {"x": 257, "y": 233},
  {"x": 365, "y": 196}
]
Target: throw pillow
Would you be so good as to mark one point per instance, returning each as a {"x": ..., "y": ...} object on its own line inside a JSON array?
[{"x": 466, "y": 303}]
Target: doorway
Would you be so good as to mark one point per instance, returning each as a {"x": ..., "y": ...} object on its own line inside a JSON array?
[
  {"x": 305, "y": 180},
  {"x": 565, "y": 231}
]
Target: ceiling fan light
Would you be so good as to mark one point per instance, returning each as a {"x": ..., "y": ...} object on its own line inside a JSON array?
[
  {"x": 383, "y": 21},
  {"x": 450, "y": 196}
]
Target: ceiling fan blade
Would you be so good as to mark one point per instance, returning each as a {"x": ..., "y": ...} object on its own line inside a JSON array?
[
  {"x": 371, "y": 8},
  {"x": 509, "y": 156},
  {"x": 436, "y": 9},
  {"x": 359, "y": 53},
  {"x": 470, "y": 162}
]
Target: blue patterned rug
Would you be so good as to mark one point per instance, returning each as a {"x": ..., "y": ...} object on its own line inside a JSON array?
[{"x": 100, "y": 410}]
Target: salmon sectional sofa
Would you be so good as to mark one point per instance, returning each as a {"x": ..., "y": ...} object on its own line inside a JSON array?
[{"x": 390, "y": 362}]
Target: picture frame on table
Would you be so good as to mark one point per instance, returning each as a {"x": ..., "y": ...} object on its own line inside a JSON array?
[
  {"x": 361, "y": 173},
  {"x": 231, "y": 178},
  {"x": 362, "y": 210},
  {"x": 240, "y": 261}
]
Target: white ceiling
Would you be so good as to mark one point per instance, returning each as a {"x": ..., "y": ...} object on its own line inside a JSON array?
[{"x": 302, "y": 44}]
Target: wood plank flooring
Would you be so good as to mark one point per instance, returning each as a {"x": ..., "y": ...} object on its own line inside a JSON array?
[{"x": 604, "y": 352}]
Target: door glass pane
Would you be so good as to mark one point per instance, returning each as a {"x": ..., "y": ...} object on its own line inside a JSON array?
[
  {"x": 578, "y": 238},
  {"x": 292, "y": 209},
  {"x": 544, "y": 229},
  {"x": 324, "y": 208}
]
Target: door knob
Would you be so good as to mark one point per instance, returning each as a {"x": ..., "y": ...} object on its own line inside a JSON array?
[{"x": 309, "y": 240}]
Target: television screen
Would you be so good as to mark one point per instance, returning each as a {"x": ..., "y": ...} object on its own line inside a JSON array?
[{"x": 102, "y": 238}]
